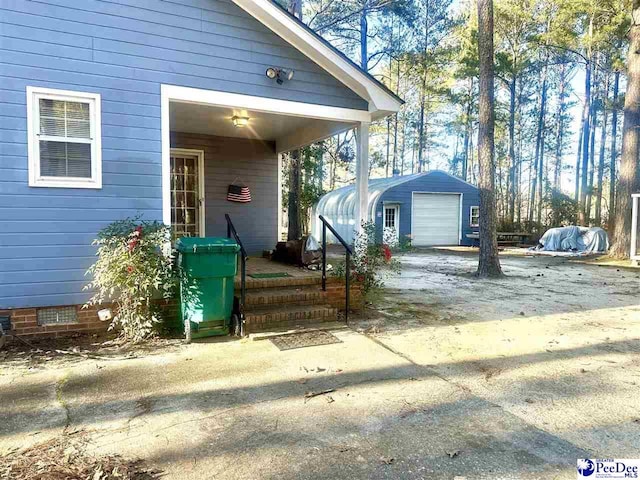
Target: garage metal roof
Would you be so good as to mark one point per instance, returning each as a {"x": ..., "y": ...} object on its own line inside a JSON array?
[{"x": 338, "y": 206}]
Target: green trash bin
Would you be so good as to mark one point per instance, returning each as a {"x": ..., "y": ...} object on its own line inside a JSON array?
[{"x": 208, "y": 268}]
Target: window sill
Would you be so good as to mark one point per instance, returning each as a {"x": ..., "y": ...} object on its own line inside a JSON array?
[{"x": 65, "y": 184}]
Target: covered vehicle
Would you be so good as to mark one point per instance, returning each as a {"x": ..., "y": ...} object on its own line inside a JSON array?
[{"x": 579, "y": 240}]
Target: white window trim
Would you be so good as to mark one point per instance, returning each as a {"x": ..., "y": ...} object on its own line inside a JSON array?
[
  {"x": 471, "y": 224},
  {"x": 33, "y": 145}
]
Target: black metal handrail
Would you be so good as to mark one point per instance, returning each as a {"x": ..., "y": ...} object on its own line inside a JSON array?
[
  {"x": 231, "y": 231},
  {"x": 347, "y": 263}
]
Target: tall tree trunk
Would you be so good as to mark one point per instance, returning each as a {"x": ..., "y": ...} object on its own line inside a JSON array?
[
  {"x": 488, "y": 263},
  {"x": 557, "y": 172},
  {"x": 629, "y": 168},
  {"x": 293, "y": 208},
  {"x": 364, "y": 38},
  {"x": 592, "y": 147},
  {"x": 603, "y": 139},
  {"x": 586, "y": 137},
  {"x": 423, "y": 91},
  {"x": 541, "y": 177},
  {"x": 395, "y": 116},
  {"x": 388, "y": 156},
  {"x": 519, "y": 157},
  {"x": 294, "y": 232},
  {"x": 578, "y": 162},
  {"x": 320, "y": 165},
  {"x": 467, "y": 131},
  {"x": 512, "y": 149},
  {"x": 404, "y": 138},
  {"x": 537, "y": 170},
  {"x": 395, "y": 143},
  {"x": 614, "y": 152}
]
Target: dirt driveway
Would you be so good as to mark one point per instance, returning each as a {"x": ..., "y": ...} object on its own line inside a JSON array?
[
  {"x": 556, "y": 343},
  {"x": 455, "y": 378}
]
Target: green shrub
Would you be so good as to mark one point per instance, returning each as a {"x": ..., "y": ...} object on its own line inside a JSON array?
[
  {"x": 133, "y": 269},
  {"x": 371, "y": 260}
]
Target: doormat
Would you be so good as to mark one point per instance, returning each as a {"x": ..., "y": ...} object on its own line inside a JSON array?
[
  {"x": 269, "y": 275},
  {"x": 304, "y": 339}
]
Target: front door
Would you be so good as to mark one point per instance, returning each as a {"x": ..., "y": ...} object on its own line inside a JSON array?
[
  {"x": 391, "y": 224},
  {"x": 187, "y": 193}
]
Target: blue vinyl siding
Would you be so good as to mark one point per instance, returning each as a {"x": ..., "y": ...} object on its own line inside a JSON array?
[
  {"x": 123, "y": 50},
  {"x": 434, "y": 182}
]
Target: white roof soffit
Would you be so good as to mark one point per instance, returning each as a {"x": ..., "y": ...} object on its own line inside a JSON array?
[{"x": 381, "y": 102}]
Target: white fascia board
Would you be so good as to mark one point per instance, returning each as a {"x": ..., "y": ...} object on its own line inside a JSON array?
[
  {"x": 381, "y": 103},
  {"x": 262, "y": 104}
]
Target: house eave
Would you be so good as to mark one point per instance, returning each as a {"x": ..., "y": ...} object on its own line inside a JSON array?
[{"x": 382, "y": 102}]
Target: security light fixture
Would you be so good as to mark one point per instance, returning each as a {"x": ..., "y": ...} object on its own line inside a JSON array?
[
  {"x": 280, "y": 75},
  {"x": 240, "y": 121}
]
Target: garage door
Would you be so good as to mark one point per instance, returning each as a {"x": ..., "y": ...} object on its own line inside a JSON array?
[{"x": 436, "y": 219}]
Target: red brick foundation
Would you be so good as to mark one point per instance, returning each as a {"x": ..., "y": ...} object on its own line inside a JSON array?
[
  {"x": 24, "y": 322},
  {"x": 335, "y": 295}
]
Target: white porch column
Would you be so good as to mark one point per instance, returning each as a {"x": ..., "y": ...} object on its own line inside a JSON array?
[{"x": 362, "y": 175}]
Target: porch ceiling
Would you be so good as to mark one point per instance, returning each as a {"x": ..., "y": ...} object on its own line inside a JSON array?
[{"x": 287, "y": 131}]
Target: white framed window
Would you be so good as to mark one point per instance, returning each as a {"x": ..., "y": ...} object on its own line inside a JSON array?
[
  {"x": 64, "y": 130},
  {"x": 474, "y": 219}
]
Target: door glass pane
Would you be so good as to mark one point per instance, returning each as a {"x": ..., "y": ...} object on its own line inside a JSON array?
[
  {"x": 390, "y": 217},
  {"x": 185, "y": 195}
]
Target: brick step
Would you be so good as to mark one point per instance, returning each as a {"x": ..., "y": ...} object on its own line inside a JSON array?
[
  {"x": 260, "y": 319},
  {"x": 264, "y": 297},
  {"x": 279, "y": 282}
]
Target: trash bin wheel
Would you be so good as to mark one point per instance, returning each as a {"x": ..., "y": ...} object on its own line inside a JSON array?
[{"x": 236, "y": 325}]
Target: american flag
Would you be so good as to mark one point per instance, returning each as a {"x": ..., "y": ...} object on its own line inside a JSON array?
[{"x": 238, "y": 193}]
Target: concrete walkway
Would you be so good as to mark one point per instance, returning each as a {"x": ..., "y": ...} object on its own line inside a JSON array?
[{"x": 428, "y": 392}]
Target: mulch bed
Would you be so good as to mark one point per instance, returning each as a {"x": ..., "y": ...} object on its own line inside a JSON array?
[{"x": 66, "y": 458}]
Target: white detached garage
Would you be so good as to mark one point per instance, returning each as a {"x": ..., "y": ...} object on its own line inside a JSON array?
[{"x": 430, "y": 208}]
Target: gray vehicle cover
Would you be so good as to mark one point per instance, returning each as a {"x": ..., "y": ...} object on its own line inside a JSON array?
[{"x": 574, "y": 239}]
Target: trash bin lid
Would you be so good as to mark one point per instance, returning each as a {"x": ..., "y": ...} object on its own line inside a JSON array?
[{"x": 206, "y": 245}]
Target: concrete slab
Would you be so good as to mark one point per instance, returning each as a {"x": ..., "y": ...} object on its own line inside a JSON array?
[{"x": 455, "y": 384}]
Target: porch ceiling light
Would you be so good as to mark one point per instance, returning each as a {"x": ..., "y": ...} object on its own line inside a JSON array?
[
  {"x": 240, "y": 121},
  {"x": 280, "y": 75}
]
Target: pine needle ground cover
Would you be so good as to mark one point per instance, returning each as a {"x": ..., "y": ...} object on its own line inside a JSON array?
[{"x": 66, "y": 458}]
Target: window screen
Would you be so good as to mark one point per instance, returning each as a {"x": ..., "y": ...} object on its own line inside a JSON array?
[
  {"x": 65, "y": 138},
  {"x": 57, "y": 315}
]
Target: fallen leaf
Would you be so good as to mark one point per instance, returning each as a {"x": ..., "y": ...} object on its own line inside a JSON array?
[{"x": 329, "y": 399}]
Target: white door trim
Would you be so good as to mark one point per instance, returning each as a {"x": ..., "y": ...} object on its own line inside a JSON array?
[
  {"x": 396, "y": 207},
  {"x": 200, "y": 155},
  {"x": 460, "y": 194}
]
